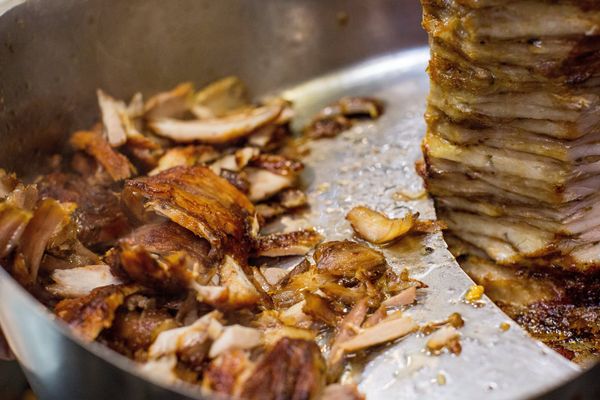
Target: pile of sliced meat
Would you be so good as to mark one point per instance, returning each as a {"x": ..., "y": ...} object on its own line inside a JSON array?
[
  {"x": 149, "y": 238},
  {"x": 513, "y": 142}
]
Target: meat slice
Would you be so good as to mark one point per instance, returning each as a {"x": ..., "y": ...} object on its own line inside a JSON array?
[
  {"x": 78, "y": 282},
  {"x": 98, "y": 216},
  {"x": 198, "y": 200},
  {"x": 91, "y": 314},
  {"x": 166, "y": 238},
  {"x": 293, "y": 369},
  {"x": 94, "y": 143}
]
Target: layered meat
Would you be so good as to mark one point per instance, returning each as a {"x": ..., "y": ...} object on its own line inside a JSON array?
[{"x": 513, "y": 142}]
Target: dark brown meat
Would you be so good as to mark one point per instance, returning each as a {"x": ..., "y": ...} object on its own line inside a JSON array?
[
  {"x": 94, "y": 144},
  {"x": 198, "y": 200},
  {"x": 287, "y": 244},
  {"x": 91, "y": 314},
  {"x": 163, "y": 238},
  {"x": 349, "y": 259},
  {"x": 99, "y": 217},
  {"x": 223, "y": 375},
  {"x": 170, "y": 274},
  {"x": 293, "y": 369},
  {"x": 133, "y": 331},
  {"x": 340, "y": 116}
]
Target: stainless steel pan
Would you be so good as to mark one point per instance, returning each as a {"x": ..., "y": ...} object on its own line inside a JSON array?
[{"x": 55, "y": 53}]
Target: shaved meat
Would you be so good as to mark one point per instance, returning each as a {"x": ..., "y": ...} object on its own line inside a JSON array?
[
  {"x": 446, "y": 337},
  {"x": 133, "y": 331},
  {"x": 341, "y": 115},
  {"x": 168, "y": 342},
  {"x": 227, "y": 373},
  {"x": 12, "y": 225},
  {"x": 162, "y": 369},
  {"x": 404, "y": 298},
  {"x": 111, "y": 111},
  {"x": 198, "y": 200},
  {"x": 172, "y": 104},
  {"x": 98, "y": 216},
  {"x": 78, "y": 282},
  {"x": 116, "y": 164},
  {"x": 235, "y": 337},
  {"x": 349, "y": 259},
  {"x": 220, "y": 97},
  {"x": 216, "y": 130},
  {"x": 349, "y": 326},
  {"x": 165, "y": 238},
  {"x": 376, "y": 227},
  {"x": 187, "y": 156},
  {"x": 293, "y": 369},
  {"x": 264, "y": 184},
  {"x": 241, "y": 291},
  {"x": 172, "y": 273},
  {"x": 385, "y": 331},
  {"x": 183, "y": 269},
  {"x": 46, "y": 221},
  {"x": 91, "y": 314},
  {"x": 287, "y": 244}
]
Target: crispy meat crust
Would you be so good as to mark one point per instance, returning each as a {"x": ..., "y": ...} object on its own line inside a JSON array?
[
  {"x": 91, "y": 314},
  {"x": 99, "y": 216},
  {"x": 94, "y": 143},
  {"x": 293, "y": 369},
  {"x": 200, "y": 201}
]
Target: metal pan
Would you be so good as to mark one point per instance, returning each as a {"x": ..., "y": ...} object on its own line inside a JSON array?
[{"x": 55, "y": 53}]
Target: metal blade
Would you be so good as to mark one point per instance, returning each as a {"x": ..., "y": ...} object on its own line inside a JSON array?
[{"x": 367, "y": 165}]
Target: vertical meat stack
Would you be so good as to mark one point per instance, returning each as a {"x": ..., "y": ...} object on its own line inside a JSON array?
[{"x": 513, "y": 143}]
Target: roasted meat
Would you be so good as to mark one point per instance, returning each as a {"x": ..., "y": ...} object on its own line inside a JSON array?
[
  {"x": 99, "y": 216},
  {"x": 91, "y": 314},
  {"x": 153, "y": 238},
  {"x": 512, "y": 117},
  {"x": 293, "y": 369},
  {"x": 198, "y": 200}
]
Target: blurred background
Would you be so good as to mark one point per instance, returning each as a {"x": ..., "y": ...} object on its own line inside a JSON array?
[{"x": 13, "y": 385}]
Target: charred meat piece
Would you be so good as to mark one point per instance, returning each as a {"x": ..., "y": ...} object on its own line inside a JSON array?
[
  {"x": 94, "y": 144},
  {"x": 340, "y": 116},
  {"x": 287, "y": 244},
  {"x": 91, "y": 314},
  {"x": 293, "y": 369},
  {"x": 198, "y": 200},
  {"x": 227, "y": 373},
  {"x": 349, "y": 260},
  {"x": 98, "y": 216},
  {"x": 133, "y": 331},
  {"x": 172, "y": 273},
  {"x": 164, "y": 238}
]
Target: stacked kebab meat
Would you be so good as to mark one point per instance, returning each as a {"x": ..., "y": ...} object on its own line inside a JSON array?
[{"x": 512, "y": 148}]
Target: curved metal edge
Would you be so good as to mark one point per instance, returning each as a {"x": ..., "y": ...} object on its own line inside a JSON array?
[{"x": 124, "y": 364}]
